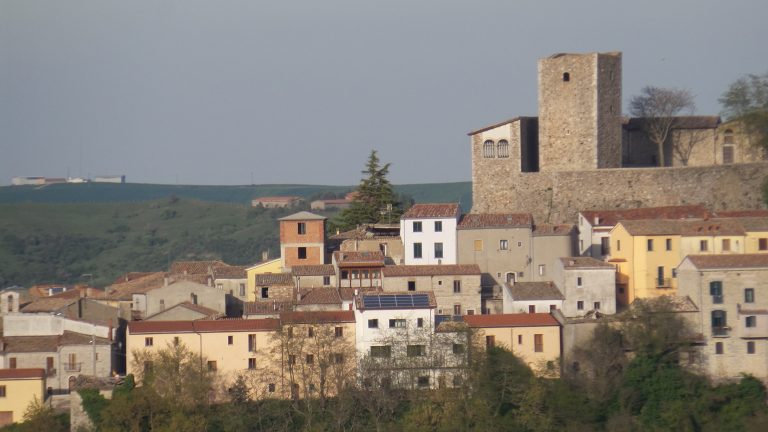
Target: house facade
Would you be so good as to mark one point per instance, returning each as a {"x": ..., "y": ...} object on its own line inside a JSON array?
[
  {"x": 588, "y": 285},
  {"x": 18, "y": 389},
  {"x": 429, "y": 234},
  {"x": 302, "y": 240},
  {"x": 456, "y": 288}
]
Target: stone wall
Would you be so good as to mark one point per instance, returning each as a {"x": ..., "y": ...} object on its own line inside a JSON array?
[{"x": 558, "y": 196}]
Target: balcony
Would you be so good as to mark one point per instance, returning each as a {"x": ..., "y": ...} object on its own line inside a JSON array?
[
  {"x": 50, "y": 372},
  {"x": 663, "y": 283},
  {"x": 72, "y": 367},
  {"x": 717, "y": 299},
  {"x": 721, "y": 331}
]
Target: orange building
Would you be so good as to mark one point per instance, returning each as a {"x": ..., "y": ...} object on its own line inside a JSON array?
[{"x": 302, "y": 240}]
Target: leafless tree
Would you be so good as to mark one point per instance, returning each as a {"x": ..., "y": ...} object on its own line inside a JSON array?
[
  {"x": 658, "y": 108},
  {"x": 684, "y": 141}
]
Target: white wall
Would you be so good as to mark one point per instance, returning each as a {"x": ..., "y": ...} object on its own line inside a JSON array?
[
  {"x": 48, "y": 325},
  {"x": 428, "y": 237}
]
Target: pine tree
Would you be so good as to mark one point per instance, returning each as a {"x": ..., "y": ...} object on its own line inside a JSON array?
[{"x": 375, "y": 199}]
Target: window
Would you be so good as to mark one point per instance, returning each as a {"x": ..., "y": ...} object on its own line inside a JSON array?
[
  {"x": 291, "y": 359},
  {"x": 703, "y": 245},
  {"x": 252, "y": 342},
  {"x": 566, "y": 76},
  {"x": 264, "y": 292},
  {"x": 749, "y": 295},
  {"x": 597, "y": 306},
  {"x": 531, "y": 309},
  {"x": 417, "y": 227},
  {"x": 242, "y": 290},
  {"x": 271, "y": 388},
  {"x": 220, "y": 286},
  {"x": 502, "y": 149},
  {"x": 762, "y": 244},
  {"x": 230, "y": 340},
  {"x": 326, "y": 280},
  {"x": 302, "y": 228},
  {"x": 302, "y": 253},
  {"x": 519, "y": 339},
  {"x": 162, "y": 304},
  {"x": 438, "y": 250},
  {"x": 384, "y": 351},
  {"x": 411, "y": 285},
  {"x": 458, "y": 348},
  {"x": 605, "y": 245},
  {"x": 538, "y": 343},
  {"x": 212, "y": 366},
  {"x": 416, "y": 350},
  {"x": 490, "y": 341},
  {"x": 397, "y": 323},
  {"x": 251, "y": 363},
  {"x": 373, "y": 323},
  {"x": 417, "y": 250},
  {"x": 503, "y": 245},
  {"x": 718, "y": 347},
  {"x": 580, "y": 305},
  {"x": 456, "y": 286},
  {"x": 2, "y": 391},
  {"x": 338, "y": 332},
  {"x": 552, "y": 308},
  {"x": 338, "y": 358},
  {"x": 726, "y": 245},
  {"x": 578, "y": 282},
  {"x": 193, "y": 297},
  {"x": 750, "y": 347},
  {"x": 310, "y": 332},
  {"x": 727, "y": 154},
  {"x": 728, "y": 136},
  {"x": 488, "y": 149},
  {"x": 420, "y": 322},
  {"x": 649, "y": 244},
  {"x": 519, "y": 244},
  {"x": 541, "y": 269},
  {"x": 423, "y": 381},
  {"x": 668, "y": 244},
  {"x": 478, "y": 245},
  {"x": 719, "y": 322},
  {"x": 345, "y": 274},
  {"x": 457, "y": 309},
  {"x": 716, "y": 291},
  {"x": 438, "y": 226},
  {"x": 148, "y": 341},
  {"x": 750, "y": 321},
  {"x": 176, "y": 341},
  {"x": 310, "y": 359}
]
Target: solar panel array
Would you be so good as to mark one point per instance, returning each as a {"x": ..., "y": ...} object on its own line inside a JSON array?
[{"x": 395, "y": 301}]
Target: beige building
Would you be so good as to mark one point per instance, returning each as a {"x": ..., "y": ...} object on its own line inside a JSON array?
[
  {"x": 158, "y": 299},
  {"x": 731, "y": 292},
  {"x": 456, "y": 287},
  {"x": 371, "y": 238},
  {"x": 533, "y": 338},
  {"x": 18, "y": 389}
]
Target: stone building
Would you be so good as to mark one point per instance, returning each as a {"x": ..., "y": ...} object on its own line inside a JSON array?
[
  {"x": 532, "y": 297},
  {"x": 588, "y": 284},
  {"x": 456, "y": 287}
]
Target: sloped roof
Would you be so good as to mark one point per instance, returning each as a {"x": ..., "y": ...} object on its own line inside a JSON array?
[
  {"x": 653, "y": 227},
  {"x": 301, "y": 216},
  {"x": 495, "y": 220},
  {"x": 49, "y": 304},
  {"x": 610, "y": 218},
  {"x": 511, "y": 320},
  {"x": 431, "y": 270},
  {"x": 195, "y": 267},
  {"x": 284, "y": 279},
  {"x": 266, "y": 307},
  {"x": 445, "y": 210},
  {"x": 283, "y": 198},
  {"x": 310, "y": 296},
  {"x": 230, "y": 272},
  {"x": 353, "y": 259},
  {"x": 204, "y": 311},
  {"x": 348, "y": 294},
  {"x": 729, "y": 261},
  {"x": 528, "y": 291},
  {"x": 7, "y": 374},
  {"x": 753, "y": 223},
  {"x": 203, "y": 326},
  {"x": 712, "y": 227},
  {"x": 313, "y": 270},
  {"x": 317, "y": 317},
  {"x": 584, "y": 262},
  {"x": 494, "y": 126},
  {"x": 25, "y": 344},
  {"x": 124, "y": 291}
]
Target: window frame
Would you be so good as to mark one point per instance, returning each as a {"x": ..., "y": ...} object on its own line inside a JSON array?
[
  {"x": 538, "y": 342},
  {"x": 418, "y": 253},
  {"x": 438, "y": 226},
  {"x": 301, "y": 228},
  {"x": 503, "y": 244},
  {"x": 438, "y": 250},
  {"x": 417, "y": 227}
]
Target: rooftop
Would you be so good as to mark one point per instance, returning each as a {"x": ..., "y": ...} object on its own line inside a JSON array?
[
  {"x": 511, "y": 320},
  {"x": 584, "y": 262},
  {"x": 347, "y": 259},
  {"x": 302, "y": 216},
  {"x": 397, "y": 300},
  {"x": 312, "y": 296},
  {"x": 419, "y": 211},
  {"x": 313, "y": 270},
  {"x": 230, "y": 272},
  {"x": 284, "y": 279},
  {"x": 317, "y": 317},
  {"x": 203, "y": 326},
  {"x": 495, "y": 220},
  {"x": 729, "y": 261},
  {"x": 431, "y": 270},
  {"x": 553, "y": 229},
  {"x": 266, "y": 307},
  {"x": 525, "y": 291},
  {"x": 6, "y": 374},
  {"x": 612, "y": 217},
  {"x": 195, "y": 267}
]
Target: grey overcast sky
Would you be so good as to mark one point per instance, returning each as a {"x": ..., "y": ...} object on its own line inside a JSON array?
[{"x": 300, "y": 91}]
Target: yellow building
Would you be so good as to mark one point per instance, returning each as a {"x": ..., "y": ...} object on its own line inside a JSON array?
[
  {"x": 271, "y": 266},
  {"x": 18, "y": 388},
  {"x": 534, "y": 338}
]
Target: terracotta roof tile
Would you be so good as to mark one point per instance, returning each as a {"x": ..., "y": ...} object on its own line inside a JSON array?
[
  {"x": 495, "y": 220},
  {"x": 553, "y": 229},
  {"x": 48, "y": 304},
  {"x": 653, "y": 227},
  {"x": 24, "y": 344},
  {"x": 418, "y": 211},
  {"x": 310, "y": 296},
  {"x": 203, "y": 326},
  {"x": 230, "y": 272},
  {"x": 348, "y": 294},
  {"x": 511, "y": 320},
  {"x": 353, "y": 259},
  {"x": 313, "y": 270},
  {"x": 431, "y": 270},
  {"x": 283, "y": 279},
  {"x": 742, "y": 213},
  {"x": 729, "y": 261},
  {"x": 525, "y": 291},
  {"x": 6, "y": 374},
  {"x": 127, "y": 277},
  {"x": 317, "y": 317},
  {"x": 195, "y": 267},
  {"x": 612, "y": 217},
  {"x": 124, "y": 291},
  {"x": 266, "y": 307},
  {"x": 712, "y": 227},
  {"x": 584, "y": 262},
  {"x": 753, "y": 223}
]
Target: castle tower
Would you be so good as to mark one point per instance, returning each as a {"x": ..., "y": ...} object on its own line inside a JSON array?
[{"x": 580, "y": 112}]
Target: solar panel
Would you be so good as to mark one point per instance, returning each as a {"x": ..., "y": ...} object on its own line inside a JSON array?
[{"x": 395, "y": 301}]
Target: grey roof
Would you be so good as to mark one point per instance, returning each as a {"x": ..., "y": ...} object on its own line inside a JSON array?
[
  {"x": 584, "y": 262},
  {"x": 274, "y": 279},
  {"x": 303, "y": 215},
  {"x": 522, "y": 291}
]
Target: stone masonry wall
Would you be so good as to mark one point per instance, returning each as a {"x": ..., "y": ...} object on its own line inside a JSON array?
[{"x": 558, "y": 196}]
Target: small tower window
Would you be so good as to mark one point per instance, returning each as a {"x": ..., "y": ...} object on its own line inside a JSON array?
[
  {"x": 488, "y": 149},
  {"x": 502, "y": 149},
  {"x": 566, "y": 76}
]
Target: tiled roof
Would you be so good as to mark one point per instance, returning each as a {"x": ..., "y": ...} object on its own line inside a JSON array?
[
  {"x": 612, "y": 217},
  {"x": 29, "y": 344},
  {"x": 127, "y": 277},
  {"x": 511, "y": 320},
  {"x": 230, "y": 272},
  {"x": 653, "y": 227},
  {"x": 418, "y": 211},
  {"x": 310, "y": 296},
  {"x": 431, "y": 270},
  {"x": 712, "y": 227},
  {"x": 284, "y": 279},
  {"x": 125, "y": 290},
  {"x": 584, "y": 262},
  {"x": 682, "y": 304},
  {"x": 42, "y": 290},
  {"x": 6, "y": 374},
  {"x": 195, "y": 267},
  {"x": 526, "y": 291},
  {"x": 80, "y": 291},
  {"x": 681, "y": 122},
  {"x": 277, "y": 199},
  {"x": 495, "y": 220},
  {"x": 742, "y": 213},
  {"x": 199, "y": 309},
  {"x": 317, "y": 317},
  {"x": 266, "y": 307},
  {"x": 553, "y": 229},
  {"x": 753, "y": 223},
  {"x": 203, "y": 326},
  {"x": 729, "y": 261},
  {"x": 48, "y": 304},
  {"x": 302, "y": 215},
  {"x": 352, "y": 259},
  {"x": 348, "y": 294},
  {"x": 313, "y": 270}
]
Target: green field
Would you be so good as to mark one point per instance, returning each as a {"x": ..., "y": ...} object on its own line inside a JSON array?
[{"x": 58, "y": 233}]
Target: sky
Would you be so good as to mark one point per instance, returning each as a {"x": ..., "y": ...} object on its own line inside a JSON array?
[{"x": 300, "y": 91}]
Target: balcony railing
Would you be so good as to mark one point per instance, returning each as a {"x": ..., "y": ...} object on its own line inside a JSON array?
[
  {"x": 717, "y": 299},
  {"x": 663, "y": 282},
  {"x": 50, "y": 372},
  {"x": 721, "y": 331},
  {"x": 72, "y": 367}
]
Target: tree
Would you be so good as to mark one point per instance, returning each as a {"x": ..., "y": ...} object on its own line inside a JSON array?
[
  {"x": 374, "y": 200},
  {"x": 658, "y": 107},
  {"x": 747, "y": 100}
]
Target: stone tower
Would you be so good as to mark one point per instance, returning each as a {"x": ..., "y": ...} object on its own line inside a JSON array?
[{"x": 580, "y": 112}]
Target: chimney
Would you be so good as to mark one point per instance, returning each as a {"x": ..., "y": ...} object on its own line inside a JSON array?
[
  {"x": 265, "y": 255},
  {"x": 165, "y": 281},
  {"x": 597, "y": 221}
]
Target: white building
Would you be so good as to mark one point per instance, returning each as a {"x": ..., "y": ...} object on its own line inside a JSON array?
[
  {"x": 429, "y": 233},
  {"x": 588, "y": 284}
]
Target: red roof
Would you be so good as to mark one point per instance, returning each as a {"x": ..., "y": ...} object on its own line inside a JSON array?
[
  {"x": 358, "y": 259},
  {"x": 317, "y": 317},
  {"x": 277, "y": 199},
  {"x": 22, "y": 373},
  {"x": 511, "y": 320},
  {"x": 203, "y": 326},
  {"x": 612, "y": 217},
  {"x": 743, "y": 213},
  {"x": 432, "y": 211}
]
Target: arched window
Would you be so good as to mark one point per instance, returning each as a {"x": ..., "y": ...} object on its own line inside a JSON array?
[
  {"x": 728, "y": 136},
  {"x": 488, "y": 149},
  {"x": 502, "y": 149}
]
